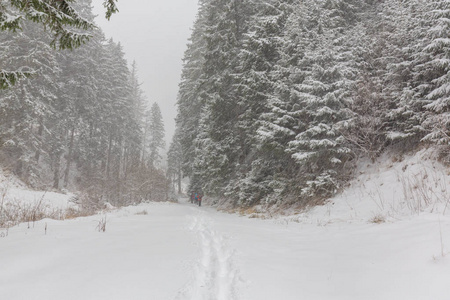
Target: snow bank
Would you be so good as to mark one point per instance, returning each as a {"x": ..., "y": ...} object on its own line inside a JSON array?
[
  {"x": 13, "y": 190},
  {"x": 18, "y": 202},
  {"x": 390, "y": 189}
]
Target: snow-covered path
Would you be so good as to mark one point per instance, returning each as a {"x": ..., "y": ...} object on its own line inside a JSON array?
[
  {"x": 180, "y": 251},
  {"x": 140, "y": 256},
  {"x": 215, "y": 274}
]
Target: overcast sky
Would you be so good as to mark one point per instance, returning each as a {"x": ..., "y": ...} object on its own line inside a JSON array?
[{"x": 154, "y": 33}]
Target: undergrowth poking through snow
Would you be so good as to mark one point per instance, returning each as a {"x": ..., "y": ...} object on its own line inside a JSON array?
[
  {"x": 19, "y": 204},
  {"x": 391, "y": 189},
  {"x": 101, "y": 227}
]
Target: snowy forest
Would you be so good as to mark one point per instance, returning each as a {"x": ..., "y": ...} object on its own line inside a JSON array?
[
  {"x": 312, "y": 136},
  {"x": 280, "y": 98},
  {"x": 80, "y": 120}
]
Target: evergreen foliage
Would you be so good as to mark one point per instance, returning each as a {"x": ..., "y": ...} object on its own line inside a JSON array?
[
  {"x": 174, "y": 163},
  {"x": 68, "y": 27},
  {"x": 279, "y": 97},
  {"x": 79, "y": 123},
  {"x": 155, "y": 134}
]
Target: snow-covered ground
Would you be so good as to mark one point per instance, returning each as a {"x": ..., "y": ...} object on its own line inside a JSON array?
[
  {"x": 13, "y": 192},
  {"x": 371, "y": 242},
  {"x": 388, "y": 191}
]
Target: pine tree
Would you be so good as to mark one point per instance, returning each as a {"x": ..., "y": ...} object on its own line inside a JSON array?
[
  {"x": 89, "y": 74},
  {"x": 68, "y": 27},
  {"x": 324, "y": 99},
  {"x": 284, "y": 119},
  {"x": 189, "y": 102},
  {"x": 137, "y": 102},
  {"x": 400, "y": 43},
  {"x": 59, "y": 18},
  {"x": 223, "y": 31},
  {"x": 77, "y": 96},
  {"x": 155, "y": 133},
  {"x": 174, "y": 162},
  {"x": 256, "y": 80},
  {"x": 437, "y": 121},
  {"x": 28, "y": 107}
]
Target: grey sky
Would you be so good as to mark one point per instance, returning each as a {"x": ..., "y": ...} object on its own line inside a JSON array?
[{"x": 154, "y": 33}]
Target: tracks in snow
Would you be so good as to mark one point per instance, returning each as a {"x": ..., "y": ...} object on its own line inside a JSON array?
[{"x": 215, "y": 275}]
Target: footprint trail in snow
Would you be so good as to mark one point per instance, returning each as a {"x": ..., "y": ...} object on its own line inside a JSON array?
[{"x": 215, "y": 275}]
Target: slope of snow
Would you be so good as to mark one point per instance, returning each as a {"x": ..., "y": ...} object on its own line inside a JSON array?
[
  {"x": 181, "y": 251},
  {"x": 14, "y": 192},
  {"x": 388, "y": 191}
]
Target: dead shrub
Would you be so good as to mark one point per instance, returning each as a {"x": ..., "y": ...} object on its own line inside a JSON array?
[{"x": 378, "y": 219}]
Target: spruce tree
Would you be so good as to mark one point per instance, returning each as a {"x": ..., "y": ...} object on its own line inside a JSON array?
[
  {"x": 68, "y": 27},
  {"x": 257, "y": 79},
  {"x": 437, "y": 121},
  {"x": 217, "y": 143},
  {"x": 189, "y": 102},
  {"x": 29, "y": 107},
  {"x": 324, "y": 99},
  {"x": 174, "y": 162},
  {"x": 155, "y": 134}
]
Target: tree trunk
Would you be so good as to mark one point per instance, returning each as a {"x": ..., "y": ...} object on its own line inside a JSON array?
[
  {"x": 69, "y": 158},
  {"x": 56, "y": 171},
  {"x": 108, "y": 157},
  {"x": 126, "y": 162},
  {"x": 179, "y": 181},
  {"x": 142, "y": 162},
  {"x": 37, "y": 155},
  {"x": 119, "y": 160}
]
